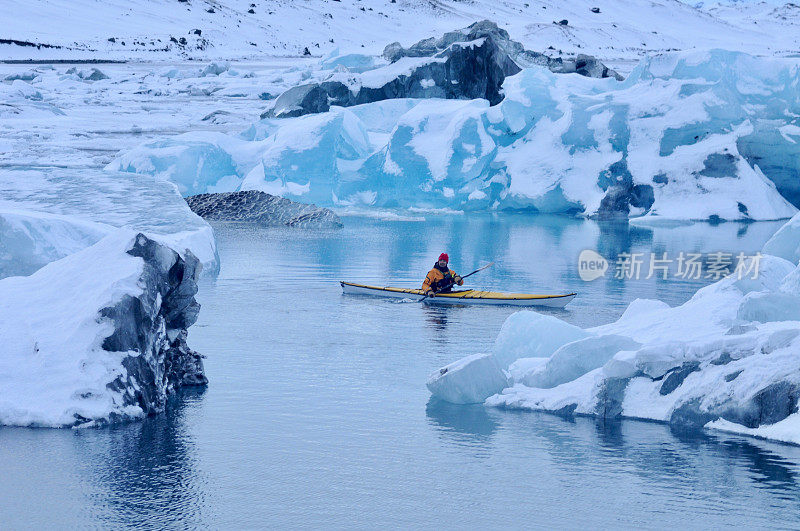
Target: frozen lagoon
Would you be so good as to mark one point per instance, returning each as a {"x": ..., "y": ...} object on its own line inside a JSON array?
[{"x": 317, "y": 415}]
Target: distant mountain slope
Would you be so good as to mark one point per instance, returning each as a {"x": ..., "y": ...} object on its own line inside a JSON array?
[{"x": 240, "y": 29}]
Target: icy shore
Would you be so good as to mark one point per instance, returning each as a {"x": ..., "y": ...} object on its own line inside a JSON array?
[
  {"x": 99, "y": 336},
  {"x": 726, "y": 359}
]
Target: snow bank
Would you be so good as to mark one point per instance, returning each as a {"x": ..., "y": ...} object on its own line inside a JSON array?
[
  {"x": 99, "y": 336},
  {"x": 726, "y": 359}
]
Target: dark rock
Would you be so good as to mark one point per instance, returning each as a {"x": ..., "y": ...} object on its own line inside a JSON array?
[
  {"x": 251, "y": 11},
  {"x": 154, "y": 326},
  {"x": 742, "y": 208},
  {"x": 732, "y": 376},
  {"x": 723, "y": 359},
  {"x": 610, "y": 397},
  {"x": 615, "y": 204},
  {"x": 306, "y": 51},
  {"x": 563, "y": 22},
  {"x": 300, "y": 100},
  {"x": 595, "y": 10},
  {"x": 261, "y": 208},
  {"x": 622, "y": 194},
  {"x": 393, "y": 52},
  {"x": 720, "y": 165},
  {"x": 675, "y": 378},
  {"x": 689, "y": 415},
  {"x": 197, "y": 32},
  {"x": 566, "y": 411},
  {"x": 770, "y": 405},
  {"x": 210, "y": 10},
  {"x": 95, "y": 75}
]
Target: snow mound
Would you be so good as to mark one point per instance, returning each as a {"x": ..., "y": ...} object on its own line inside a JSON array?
[
  {"x": 99, "y": 336},
  {"x": 726, "y": 359},
  {"x": 689, "y": 136}
]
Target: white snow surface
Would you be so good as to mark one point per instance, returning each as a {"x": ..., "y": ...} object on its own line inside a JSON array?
[
  {"x": 52, "y": 365},
  {"x": 726, "y": 359},
  {"x": 48, "y": 214},
  {"x": 152, "y": 29},
  {"x": 556, "y": 143}
]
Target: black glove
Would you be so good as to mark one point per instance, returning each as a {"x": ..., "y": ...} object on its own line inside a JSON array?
[
  {"x": 457, "y": 279},
  {"x": 430, "y": 293}
]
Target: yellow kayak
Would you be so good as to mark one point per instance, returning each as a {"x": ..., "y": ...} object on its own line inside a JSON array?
[{"x": 467, "y": 296}]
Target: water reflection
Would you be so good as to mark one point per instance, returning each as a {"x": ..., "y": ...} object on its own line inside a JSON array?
[
  {"x": 436, "y": 321},
  {"x": 145, "y": 471},
  {"x": 468, "y": 425},
  {"x": 671, "y": 457}
]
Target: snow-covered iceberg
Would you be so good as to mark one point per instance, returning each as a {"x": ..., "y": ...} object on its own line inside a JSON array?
[
  {"x": 726, "y": 359},
  {"x": 689, "y": 135},
  {"x": 99, "y": 336},
  {"x": 464, "y": 64},
  {"x": 47, "y": 214}
]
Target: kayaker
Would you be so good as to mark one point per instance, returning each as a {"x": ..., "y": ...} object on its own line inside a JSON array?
[{"x": 441, "y": 278}]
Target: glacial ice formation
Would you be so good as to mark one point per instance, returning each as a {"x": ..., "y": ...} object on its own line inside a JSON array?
[
  {"x": 261, "y": 209},
  {"x": 726, "y": 359},
  {"x": 99, "y": 336},
  {"x": 463, "y": 64},
  {"x": 48, "y": 214},
  {"x": 689, "y": 135}
]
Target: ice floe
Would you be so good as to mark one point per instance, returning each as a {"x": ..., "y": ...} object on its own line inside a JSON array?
[{"x": 726, "y": 359}]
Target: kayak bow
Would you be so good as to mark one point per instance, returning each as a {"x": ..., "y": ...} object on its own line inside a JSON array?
[{"x": 467, "y": 296}]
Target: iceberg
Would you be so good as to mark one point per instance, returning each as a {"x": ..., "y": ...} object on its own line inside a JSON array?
[
  {"x": 262, "y": 209},
  {"x": 726, "y": 359},
  {"x": 687, "y": 136},
  {"x": 468, "y": 63},
  {"x": 48, "y": 214},
  {"x": 99, "y": 336},
  {"x": 468, "y": 381}
]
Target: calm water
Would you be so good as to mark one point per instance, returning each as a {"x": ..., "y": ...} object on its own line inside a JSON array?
[{"x": 317, "y": 413}]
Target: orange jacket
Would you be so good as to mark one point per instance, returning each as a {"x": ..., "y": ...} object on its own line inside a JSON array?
[{"x": 436, "y": 280}]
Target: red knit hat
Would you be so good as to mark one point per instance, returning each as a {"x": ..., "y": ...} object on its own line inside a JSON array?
[{"x": 444, "y": 257}]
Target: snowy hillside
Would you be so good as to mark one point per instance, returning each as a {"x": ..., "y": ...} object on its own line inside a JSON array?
[{"x": 232, "y": 29}]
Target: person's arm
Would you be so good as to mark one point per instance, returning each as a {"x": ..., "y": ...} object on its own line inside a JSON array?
[
  {"x": 426, "y": 284},
  {"x": 458, "y": 280}
]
